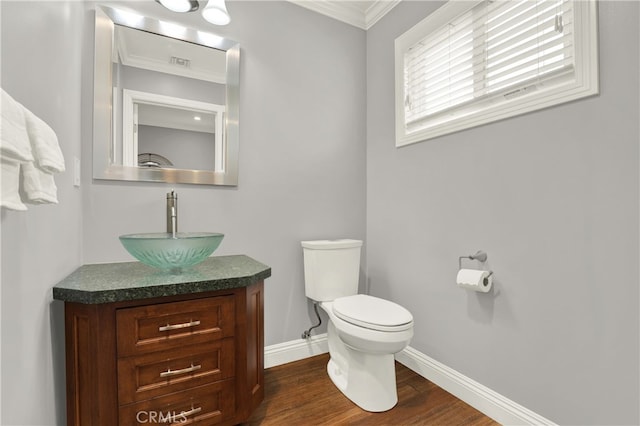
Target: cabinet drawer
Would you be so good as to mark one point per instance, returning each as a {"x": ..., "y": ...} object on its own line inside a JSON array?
[
  {"x": 205, "y": 405},
  {"x": 151, "y": 375},
  {"x": 151, "y": 328}
]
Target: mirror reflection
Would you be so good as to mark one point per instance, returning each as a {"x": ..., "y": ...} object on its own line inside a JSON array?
[
  {"x": 188, "y": 133},
  {"x": 173, "y": 101}
]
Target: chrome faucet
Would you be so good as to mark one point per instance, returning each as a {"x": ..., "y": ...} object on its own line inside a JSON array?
[{"x": 172, "y": 213}]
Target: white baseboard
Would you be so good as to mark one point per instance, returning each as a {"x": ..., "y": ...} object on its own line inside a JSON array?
[
  {"x": 295, "y": 350},
  {"x": 490, "y": 403}
]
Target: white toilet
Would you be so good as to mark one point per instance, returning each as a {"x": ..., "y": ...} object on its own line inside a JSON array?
[{"x": 364, "y": 332}]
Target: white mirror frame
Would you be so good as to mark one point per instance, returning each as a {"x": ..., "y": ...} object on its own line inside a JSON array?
[{"x": 104, "y": 166}]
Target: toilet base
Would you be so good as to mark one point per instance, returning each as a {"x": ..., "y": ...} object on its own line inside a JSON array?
[{"x": 369, "y": 380}]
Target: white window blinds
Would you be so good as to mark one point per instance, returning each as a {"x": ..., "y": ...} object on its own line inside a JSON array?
[
  {"x": 473, "y": 62},
  {"x": 498, "y": 48}
]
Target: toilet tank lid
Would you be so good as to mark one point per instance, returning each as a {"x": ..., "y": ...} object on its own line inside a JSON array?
[
  {"x": 331, "y": 244},
  {"x": 372, "y": 312}
]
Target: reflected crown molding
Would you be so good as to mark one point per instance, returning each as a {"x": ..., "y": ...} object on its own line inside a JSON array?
[{"x": 361, "y": 14}]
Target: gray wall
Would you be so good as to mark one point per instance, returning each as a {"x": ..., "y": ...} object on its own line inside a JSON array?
[
  {"x": 302, "y": 157},
  {"x": 168, "y": 84},
  {"x": 41, "y": 68},
  {"x": 184, "y": 148},
  {"x": 552, "y": 197}
]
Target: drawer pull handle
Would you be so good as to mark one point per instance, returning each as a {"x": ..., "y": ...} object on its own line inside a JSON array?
[
  {"x": 182, "y": 417},
  {"x": 191, "y": 412},
  {"x": 177, "y": 326},
  {"x": 171, "y": 372}
]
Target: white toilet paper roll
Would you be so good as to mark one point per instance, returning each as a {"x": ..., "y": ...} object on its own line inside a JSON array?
[{"x": 475, "y": 280}]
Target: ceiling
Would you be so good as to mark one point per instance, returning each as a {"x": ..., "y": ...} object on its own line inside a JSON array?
[
  {"x": 362, "y": 14},
  {"x": 359, "y": 13}
]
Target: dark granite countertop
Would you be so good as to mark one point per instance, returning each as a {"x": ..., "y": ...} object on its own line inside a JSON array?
[{"x": 115, "y": 282}]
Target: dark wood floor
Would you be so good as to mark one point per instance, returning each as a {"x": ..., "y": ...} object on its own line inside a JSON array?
[{"x": 301, "y": 393}]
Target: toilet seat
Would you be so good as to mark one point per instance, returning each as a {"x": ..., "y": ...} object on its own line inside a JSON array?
[{"x": 372, "y": 313}]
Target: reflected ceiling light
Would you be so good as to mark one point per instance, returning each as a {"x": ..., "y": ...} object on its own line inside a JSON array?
[
  {"x": 172, "y": 30},
  {"x": 216, "y": 12},
  {"x": 130, "y": 19},
  {"x": 180, "y": 5},
  {"x": 210, "y": 40}
]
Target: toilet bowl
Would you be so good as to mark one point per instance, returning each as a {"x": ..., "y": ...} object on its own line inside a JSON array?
[
  {"x": 362, "y": 362},
  {"x": 370, "y": 324},
  {"x": 364, "y": 332}
]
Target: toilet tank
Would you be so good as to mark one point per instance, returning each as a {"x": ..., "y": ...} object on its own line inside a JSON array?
[{"x": 331, "y": 268}]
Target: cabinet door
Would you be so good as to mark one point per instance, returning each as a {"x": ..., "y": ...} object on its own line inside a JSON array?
[
  {"x": 255, "y": 344},
  {"x": 249, "y": 350},
  {"x": 146, "y": 329},
  {"x": 92, "y": 398}
]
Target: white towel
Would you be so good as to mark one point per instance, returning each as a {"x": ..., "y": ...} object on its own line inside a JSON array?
[
  {"x": 29, "y": 147},
  {"x": 14, "y": 139},
  {"x": 44, "y": 144},
  {"x": 37, "y": 176},
  {"x": 10, "y": 179},
  {"x": 39, "y": 186}
]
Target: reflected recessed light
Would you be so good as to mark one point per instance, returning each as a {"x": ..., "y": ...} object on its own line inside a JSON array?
[
  {"x": 210, "y": 40},
  {"x": 172, "y": 30},
  {"x": 129, "y": 18},
  {"x": 180, "y": 5},
  {"x": 197, "y": 117}
]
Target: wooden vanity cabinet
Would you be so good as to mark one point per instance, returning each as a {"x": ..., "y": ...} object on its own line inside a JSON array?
[{"x": 187, "y": 359}]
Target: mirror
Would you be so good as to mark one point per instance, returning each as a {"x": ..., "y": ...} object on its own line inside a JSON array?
[{"x": 165, "y": 102}]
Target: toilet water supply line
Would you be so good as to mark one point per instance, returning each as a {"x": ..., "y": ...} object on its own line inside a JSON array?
[{"x": 307, "y": 333}]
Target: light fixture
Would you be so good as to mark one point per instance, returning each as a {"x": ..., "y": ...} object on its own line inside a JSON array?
[
  {"x": 180, "y": 5},
  {"x": 216, "y": 12}
]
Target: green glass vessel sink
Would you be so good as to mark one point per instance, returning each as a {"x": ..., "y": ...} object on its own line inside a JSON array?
[{"x": 162, "y": 250}]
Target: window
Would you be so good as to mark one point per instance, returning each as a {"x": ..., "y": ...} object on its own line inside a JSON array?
[{"x": 471, "y": 63}]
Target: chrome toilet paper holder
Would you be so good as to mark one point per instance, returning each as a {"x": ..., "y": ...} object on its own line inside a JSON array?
[{"x": 480, "y": 256}]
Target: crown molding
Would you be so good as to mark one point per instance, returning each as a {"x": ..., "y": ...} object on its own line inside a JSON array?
[
  {"x": 348, "y": 12},
  {"x": 377, "y": 10}
]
